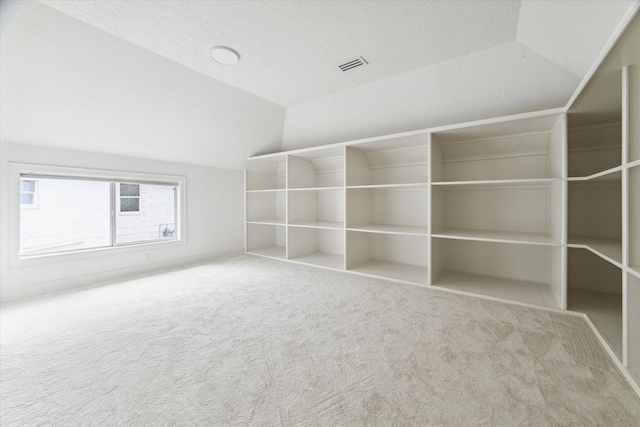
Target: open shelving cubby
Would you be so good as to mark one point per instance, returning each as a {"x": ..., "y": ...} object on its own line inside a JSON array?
[
  {"x": 633, "y": 194},
  {"x": 267, "y": 173},
  {"x": 267, "y": 240},
  {"x": 317, "y": 246},
  {"x": 317, "y": 208},
  {"x": 633, "y": 99},
  {"x": 523, "y": 212},
  {"x": 318, "y": 168},
  {"x": 594, "y": 148},
  {"x": 633, "y": 325},
  {"x": 266, "y": 207},
  {"x": 524, "y": 149},
  {"x": 395, "y": 256},
  {"x": 388, "y": 209},
  {"x": 595, "y": 215},
  {"x": 394, "y": 161},
  {"x": 595, "y": 288},
  {"x": 531, "y": 274}
]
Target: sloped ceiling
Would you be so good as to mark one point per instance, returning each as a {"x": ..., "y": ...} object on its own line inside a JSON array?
[{"x": 430, "y": 62}]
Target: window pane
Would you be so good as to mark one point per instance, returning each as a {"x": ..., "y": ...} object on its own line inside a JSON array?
[
  {"x": 27, "y": 186},
  {"x": 71, "y": 215},
  {"x": 129, "y": 189},
  {"x": 157, "y": 217},
  {"x": 26, "y": 199},
  {"x": 129, "y": 204}
]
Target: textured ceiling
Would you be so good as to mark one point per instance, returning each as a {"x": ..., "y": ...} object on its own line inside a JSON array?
[{"x": 291, "y": 49}]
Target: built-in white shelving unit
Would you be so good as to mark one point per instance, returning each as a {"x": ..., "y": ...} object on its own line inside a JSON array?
[{"x": 540, "y": 208}]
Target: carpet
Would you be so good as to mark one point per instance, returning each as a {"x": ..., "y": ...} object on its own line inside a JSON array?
[{"x": 246, "y": 340}]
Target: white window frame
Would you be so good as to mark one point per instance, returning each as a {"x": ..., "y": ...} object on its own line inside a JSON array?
[{"x": 22, "y": 170}]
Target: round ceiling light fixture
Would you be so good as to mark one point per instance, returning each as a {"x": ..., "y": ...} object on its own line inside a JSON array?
[{"x": 224, "y": 55}]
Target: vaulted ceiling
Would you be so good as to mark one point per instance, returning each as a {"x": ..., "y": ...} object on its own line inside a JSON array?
[{"x": 290, "y": 50}]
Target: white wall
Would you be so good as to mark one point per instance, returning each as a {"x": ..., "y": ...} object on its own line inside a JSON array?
[
  {"x": 455, "y": 91},
  {"x": 214, "y": 216},
  {"x": 66, "y": 84}
]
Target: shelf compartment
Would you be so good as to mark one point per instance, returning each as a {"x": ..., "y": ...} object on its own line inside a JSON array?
[
  {"x": 317, "y": 169},
  {"x": 266, "y": 174},
  {"x": 389, "y": 210},
  {"x": 521, "y": 149},
  {"x": 595, "y": 288},
  {"x": 267, "y": 207},
  {"x": 391, "y": 161},
  {"x": 609, "y": 249},
  {"x": 317, "y": 208},
  {"x": 321, "y": 247},
  {"x": 519, "y": 213},
  {"x": 632, "y": 300},
  {"x": 531, "y": 274},
  {"x": 633, "y": 113},
  {"x": 633, "y": 193},
  {"x": 397, "y": 257},
  {"x": 595, "y": 215},
  {"x": 267, "y": 240},
  {"x": 594, "y": 148}
]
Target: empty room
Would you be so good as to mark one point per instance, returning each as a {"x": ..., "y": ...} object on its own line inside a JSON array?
[{"x": 319, "y": 213}]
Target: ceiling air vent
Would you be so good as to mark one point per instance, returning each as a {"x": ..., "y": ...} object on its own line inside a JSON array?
[{"x": 349, "y": 65}]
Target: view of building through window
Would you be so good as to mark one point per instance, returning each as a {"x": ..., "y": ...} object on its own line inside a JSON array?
[
  {"x": 27, "y": 193},
  {"x": 129, "y": 197},
  {"x": 75, "y": 214}
]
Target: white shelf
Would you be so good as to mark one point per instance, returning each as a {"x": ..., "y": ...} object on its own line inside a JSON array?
[
  {"x": 393, "y": 270},
  {"x": 272, "y": 190},
  {"x": 319, "y": 224},
  {"x": 515, "y": 290},
  {"x": 609, "y": 175},
  {"x": 609, "y": 249},
  {"x": 496, "y": 236},
  {"x": 270, "y": 251},
  {"x": 536, "y": 182},
  {"x": 605, "y": 311},
  {"x": 391, "y": 229},
  {"x": 267, "y": 222},
  {"x": 418, "y": 185},
  {"x": 322, "y": 259},
  {"x": 323, "y": 189}
]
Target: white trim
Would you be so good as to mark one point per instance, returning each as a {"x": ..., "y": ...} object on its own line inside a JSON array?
[{"x": 624, "y": 371}]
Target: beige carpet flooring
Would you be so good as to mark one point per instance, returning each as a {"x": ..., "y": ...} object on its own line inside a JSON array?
[{"x": 252, "y": 341}]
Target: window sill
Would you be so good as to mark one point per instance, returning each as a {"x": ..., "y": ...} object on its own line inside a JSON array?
[{"x": 27, "y": 261}]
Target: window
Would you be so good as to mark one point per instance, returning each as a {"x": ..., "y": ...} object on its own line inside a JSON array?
[
  {"x": 27, "y": 193},
  {"x": 129, "y": 197},
  {"x": 76, "y": 213}
]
